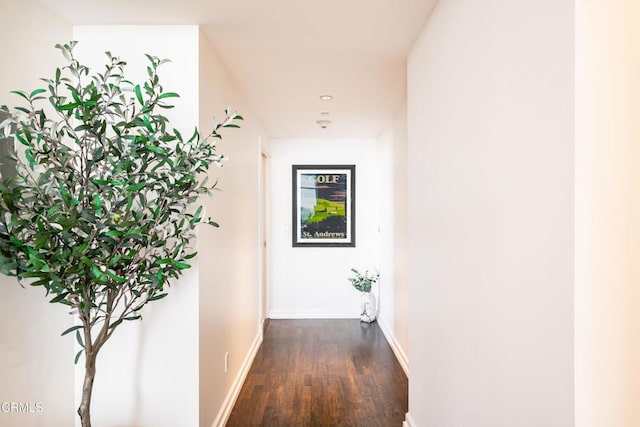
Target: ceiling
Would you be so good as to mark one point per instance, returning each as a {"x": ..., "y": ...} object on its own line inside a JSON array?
[{"x": 284, "y": 54}]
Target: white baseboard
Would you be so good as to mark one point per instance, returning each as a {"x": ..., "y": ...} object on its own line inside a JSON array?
[
  {"x": 234, "y": 392},
  {"x": 311, "y": 314},
  {"x": 408, "y": 421},
  {"x": 395, "y": 346}
]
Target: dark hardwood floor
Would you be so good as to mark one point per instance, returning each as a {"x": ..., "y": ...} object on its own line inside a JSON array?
[{"x": 322, "y": 373}]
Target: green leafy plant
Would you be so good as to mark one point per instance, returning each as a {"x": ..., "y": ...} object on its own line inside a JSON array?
[
  {"x": 98, "y": 212},
  {"x": 363, "y": 282}
]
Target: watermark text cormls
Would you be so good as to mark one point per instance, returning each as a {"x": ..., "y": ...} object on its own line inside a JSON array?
[{"x": 21, "y": 407}]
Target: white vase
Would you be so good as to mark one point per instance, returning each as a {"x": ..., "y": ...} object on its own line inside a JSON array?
[{"x": 367, "y": 307}]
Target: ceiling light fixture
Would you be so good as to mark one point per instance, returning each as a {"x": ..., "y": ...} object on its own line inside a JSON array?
[
  {"x": 323, "y": 123},
  {"x": 326, "y": 97}
]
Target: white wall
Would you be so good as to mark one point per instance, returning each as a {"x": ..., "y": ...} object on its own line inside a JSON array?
[
  {"x": 312, "y": 282},
  {"x": 228, "y": 255},
  {"x": 36, "y": 364},
  {"x": 490, "y": 145},
  {"x": 394, "y": 282},
  {"x": 607, "y": 213},
  {"x": 147, "y": 374}
]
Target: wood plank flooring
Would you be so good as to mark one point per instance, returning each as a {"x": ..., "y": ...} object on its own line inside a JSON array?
[{"x": 323, "y": 373}]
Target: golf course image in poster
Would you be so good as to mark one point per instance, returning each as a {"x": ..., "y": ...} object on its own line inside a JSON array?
[{"x": 323, "y": 205}]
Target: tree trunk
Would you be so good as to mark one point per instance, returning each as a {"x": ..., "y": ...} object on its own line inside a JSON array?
[{"x": 87, "y": 388}]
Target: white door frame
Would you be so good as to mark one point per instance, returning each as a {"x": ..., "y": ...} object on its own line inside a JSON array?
[{"x": 263, "y": 233}]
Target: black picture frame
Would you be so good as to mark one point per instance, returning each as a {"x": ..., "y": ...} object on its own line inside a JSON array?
[{"x": 324, "y": 205}]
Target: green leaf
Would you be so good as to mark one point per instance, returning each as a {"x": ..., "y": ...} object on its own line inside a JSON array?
[
  {"x": 75, "y": 96},
  {"x": 21, "y": 139},
  {"x": 67, "y": 107},
  {"x": 79, "y": 339},
  {"x": 155, "y": 149},
  {"x": 139, "y": 94},
  {"x": 115, "y": 324},
  {"x": 115, "y": 277},
  {"x": 37, "y": 92},
  {"x": 75, "y": 361},
  {"x": 181, "y": 265},
  {"x": 169, "y": 95},
  {"x": 30, "y": 274},
  {"x": 198, "y": 212},
  {"x": 147, "y": 123},
  {"x": 71, "y": 329},
  {"x": 59, "y": 298},
  {"x": 21, "y": 94},
  {"x": 114, "y": 233},
  {"x": 96, "y": 272},
  {"x": 86, "y": 215},
  {"x": 135, "y": 187},
  {"x": 29, "y": 157},
  {"x": 156, "y": 297},
  {"x": 41, "y": 282}
]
